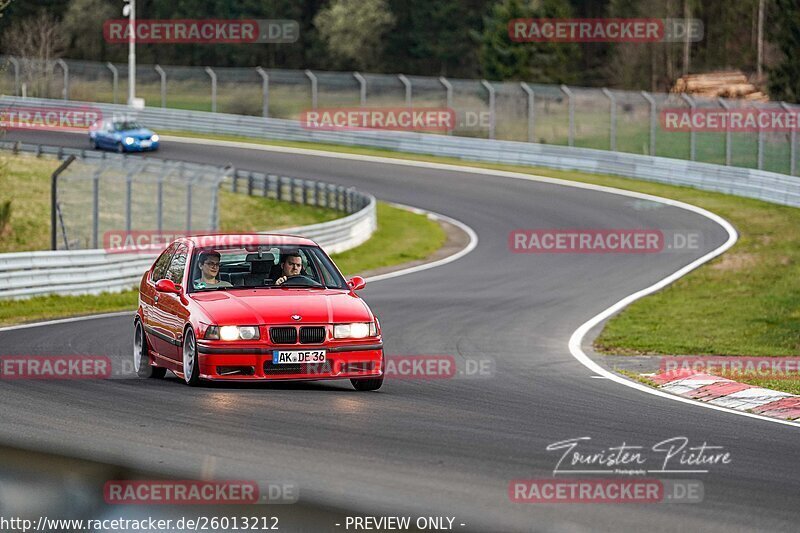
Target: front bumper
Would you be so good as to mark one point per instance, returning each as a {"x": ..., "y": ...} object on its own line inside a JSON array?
[
  {"x": 137, "y": 146},
  {"x": 249, "y": 363}
]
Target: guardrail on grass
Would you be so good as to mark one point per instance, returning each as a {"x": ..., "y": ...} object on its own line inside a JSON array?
[{"x": 90, "y": 271}]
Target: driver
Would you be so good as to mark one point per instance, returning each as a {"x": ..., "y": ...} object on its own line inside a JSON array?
[
  {"x": 291, "y": 265},
  {"x": 209, "y": 270}
]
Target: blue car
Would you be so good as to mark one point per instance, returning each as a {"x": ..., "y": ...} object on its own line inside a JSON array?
[{"x": 122, "y": 136}]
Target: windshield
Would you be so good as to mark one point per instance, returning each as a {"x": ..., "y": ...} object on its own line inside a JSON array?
[
  {"x": 263, "y": 266},
  {"x": 123, "y": 126}
]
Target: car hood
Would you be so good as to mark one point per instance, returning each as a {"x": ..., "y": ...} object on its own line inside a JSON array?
[{"x": 277, "y": 306}]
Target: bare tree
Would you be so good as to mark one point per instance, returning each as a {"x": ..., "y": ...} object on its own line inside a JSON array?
[{"x": 37, "y": 42}]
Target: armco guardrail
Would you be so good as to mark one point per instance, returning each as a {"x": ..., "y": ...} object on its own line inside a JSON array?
[
  {"x": 751, "y": 183},
  {"x": 27, "y": 274}
]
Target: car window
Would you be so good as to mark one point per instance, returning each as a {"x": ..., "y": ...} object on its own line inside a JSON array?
[
  {"x": 122, "y": 126},
  {"x": 330, "y": 274},
  {"x": 178, "y": 265},
  {"x": 161, "y": 264}
]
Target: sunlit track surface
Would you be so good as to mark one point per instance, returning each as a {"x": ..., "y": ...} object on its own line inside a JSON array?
[{"x": 436, "y": 447}]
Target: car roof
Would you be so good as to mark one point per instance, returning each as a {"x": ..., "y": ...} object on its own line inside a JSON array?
[{"x": 241, "y": 239}]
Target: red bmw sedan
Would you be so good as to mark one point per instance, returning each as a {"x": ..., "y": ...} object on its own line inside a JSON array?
[{"x": 254, "y": 307}]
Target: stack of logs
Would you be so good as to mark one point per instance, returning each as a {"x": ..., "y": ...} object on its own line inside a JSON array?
[{"x": 728, "y": 84}]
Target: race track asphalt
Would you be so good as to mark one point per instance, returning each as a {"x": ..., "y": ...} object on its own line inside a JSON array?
[{"x": 429, "y": 447}]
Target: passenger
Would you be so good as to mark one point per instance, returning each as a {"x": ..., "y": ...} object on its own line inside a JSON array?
[
  {"x": 209, "y": 270},
  {"x": 291, "y": 265}
]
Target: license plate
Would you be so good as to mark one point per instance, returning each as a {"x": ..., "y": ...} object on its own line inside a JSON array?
[
  {"x": 146, "y": 144},
  {"x": 307, "y": 356}
]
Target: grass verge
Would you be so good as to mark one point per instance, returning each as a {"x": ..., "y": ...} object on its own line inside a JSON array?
[{"x": 745, "y": 303}]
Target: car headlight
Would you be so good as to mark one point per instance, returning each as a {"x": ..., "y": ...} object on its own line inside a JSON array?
[
  {"x": 128, "y": 140},
  {"x": 359, "y": 330},
  {"x": 154, "y": 138},
  {"x": 232, "y": 333}
]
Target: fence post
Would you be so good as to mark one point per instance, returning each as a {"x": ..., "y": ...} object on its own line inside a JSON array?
[
  {"x": 531, "y": 111},
  {"x": 114, "y": 79},
  {"x": 54, "y": 202},
  {"x": 314, "y": 88},
  {"x": 727, "y": 108},
  {"x": 492, "y": 116},
  {"x": 612, "y": 118},
  {"x": 160, "y": 203},
  {"x": 571, "y": 108},
  {"x": 449, "y": 88},
  {"x": 96, "y": 208},
  {"x": 264, "y": 91},
  {"x": 128, "y": 201},
  {"x": 163, "y": 76},
  {"x": 692, "y": 134},
  {"x": 760, "y": 145},
  {"x": 14, "y": 61},
  {"x": 188, "y": 204},
  {"x": 362, "y": 92},
  {"x": 407, "y": 84},
  {"x": 793, "y": 141},
  {"x": 65, "y": 68},
  {"x": 653, "y": 106},
  {"x": 213, "y": 76}
]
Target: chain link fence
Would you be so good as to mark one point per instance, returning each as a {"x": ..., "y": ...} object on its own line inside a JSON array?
[
  {"x": 625, "y": 121},
  {"x": 124, "y": 195}
]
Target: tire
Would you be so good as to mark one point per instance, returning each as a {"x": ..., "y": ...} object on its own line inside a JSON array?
[
  {"x": 367, "y": 384},
  {"x": 141, "y": 355},
  {"x": 93, "y": 143},
  {"x": 191, "y": 364},
  {"x": 120, "y": 148}
]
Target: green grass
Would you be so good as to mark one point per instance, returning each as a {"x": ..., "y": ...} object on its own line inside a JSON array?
[
  {"x": 26, "y": 182},
  {"x": 745, "y": 303},
  {"x": 401, "y": 236}
]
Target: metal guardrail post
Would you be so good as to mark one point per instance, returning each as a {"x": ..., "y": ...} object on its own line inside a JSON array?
[
  {"x": 264, "y": 91},
  {"x": 114, "y": 79},
  {"x": 727, "y": 108},
  {"x": 129, "y": 202},
  {"x": 63, "y": 64},
  {"x": 362, "y": 91},
  {"x": 571, "y": 110},
  {"x": 653, "y": 110},
  {"x": 160, "y": 205},
  {"x": 449, "y": 95},
  {"x": 692, "y": 134},
  {"x": 407, "y": 84},
  {"x": 612, "y": 119},
  {"x": 531, "y": 111},
  {"x": 14, "y": 61},
  {"x": 163, "y": 75},
  {"x": 188, "y": 204},
  {"x": 314, "y": 88},
  {"x": 793, "y": 143},
  {"x": 213, "y": 76},
  {"x": 492, "y": 101},
  {"x": 96, "y": 208},
  {"x": 760, "y": 145},
  {"x": 54, "y": 209}
]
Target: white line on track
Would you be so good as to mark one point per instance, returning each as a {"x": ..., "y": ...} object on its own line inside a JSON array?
[{"x": 576, "y": 340}]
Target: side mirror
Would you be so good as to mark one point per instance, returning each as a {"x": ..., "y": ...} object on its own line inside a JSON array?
[
  {"x": 167, "y": 285},
  {"x": 357, "y": 283}
]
